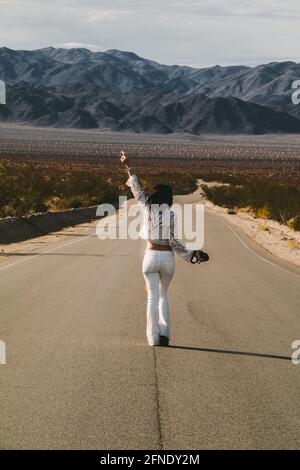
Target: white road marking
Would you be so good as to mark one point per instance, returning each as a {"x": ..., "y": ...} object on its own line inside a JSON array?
[
  {"x": 257, "y": 255},
  {"x": 94, "y": 233},
  {"x": 100, "y": 221},
  {"x": 45, "y": 252}
]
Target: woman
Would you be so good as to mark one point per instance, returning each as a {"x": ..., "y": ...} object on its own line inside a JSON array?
[{"x": 159, "y": 262}]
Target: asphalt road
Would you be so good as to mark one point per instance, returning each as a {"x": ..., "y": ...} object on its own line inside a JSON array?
[{"x": 80, "y": 375}]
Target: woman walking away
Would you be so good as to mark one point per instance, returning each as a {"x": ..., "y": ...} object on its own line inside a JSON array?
[{"x": 159, "y": 260}]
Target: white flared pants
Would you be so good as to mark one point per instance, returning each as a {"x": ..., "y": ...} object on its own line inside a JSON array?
[{"x": 158, "y": 270}]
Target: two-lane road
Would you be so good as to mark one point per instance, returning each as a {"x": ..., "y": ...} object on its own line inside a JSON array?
[{"x": 79, "y": 373}]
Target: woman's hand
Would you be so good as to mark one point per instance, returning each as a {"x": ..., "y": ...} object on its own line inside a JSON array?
[
  {"x": 199, "y": 256},
  {"x": 125, "y": 160}
]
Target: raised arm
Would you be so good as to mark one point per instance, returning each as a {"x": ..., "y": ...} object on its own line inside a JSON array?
[
  {"x": 125, "y": 160},
  {"x": 133, "y": 181}
]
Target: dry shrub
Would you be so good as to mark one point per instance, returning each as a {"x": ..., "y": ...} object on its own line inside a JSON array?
[{"x": 294, "y": 223}]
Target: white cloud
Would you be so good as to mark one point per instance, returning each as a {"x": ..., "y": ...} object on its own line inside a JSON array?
[
  {"x": 199, "y": 32},
  {"x": 104, "y": 15},
  {"x": 73, "y": 45}
]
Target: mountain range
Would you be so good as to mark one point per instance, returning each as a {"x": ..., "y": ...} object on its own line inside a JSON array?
[{"x": 121, "y": 91}]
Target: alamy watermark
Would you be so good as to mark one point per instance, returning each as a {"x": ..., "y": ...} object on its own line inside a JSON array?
[
  {"x": 155, "y": 223},
  {"x": 296, "y": 94},
  {"x": 2, "y": 352},
  {"x": 296, "y": 354},
  {"x": 2, "y": 92}
]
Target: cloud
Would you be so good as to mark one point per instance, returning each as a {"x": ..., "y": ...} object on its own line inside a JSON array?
[
  {"x": 74, "y": 45},
  {"x": 198, "y": 32},
  {"x": 104, "y": 15},
  {"x": 208, "y": 8}
]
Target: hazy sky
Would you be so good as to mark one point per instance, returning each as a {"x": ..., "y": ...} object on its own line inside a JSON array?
[{"x": 191, "y": 32}]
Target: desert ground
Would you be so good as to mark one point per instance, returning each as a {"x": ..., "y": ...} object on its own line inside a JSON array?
[{"x": 182, "y": 158}]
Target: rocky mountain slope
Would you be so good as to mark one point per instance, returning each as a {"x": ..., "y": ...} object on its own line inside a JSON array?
[{"x": 121, "y": 91}]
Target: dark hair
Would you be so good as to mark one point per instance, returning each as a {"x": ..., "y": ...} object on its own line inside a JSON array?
[{"x": 163, "y": 194}]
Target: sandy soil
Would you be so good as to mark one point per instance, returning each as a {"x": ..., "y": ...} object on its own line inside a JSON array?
[{"x": 278, "y": 239}]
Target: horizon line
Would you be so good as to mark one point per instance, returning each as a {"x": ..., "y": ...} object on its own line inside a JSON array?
[{"x": 193, "y": 66}]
